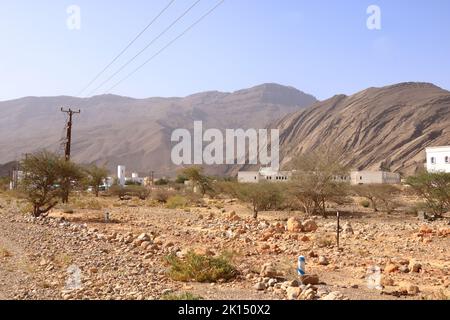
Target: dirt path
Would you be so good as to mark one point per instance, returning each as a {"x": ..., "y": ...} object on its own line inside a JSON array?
[{"x": 15, "y": 267}]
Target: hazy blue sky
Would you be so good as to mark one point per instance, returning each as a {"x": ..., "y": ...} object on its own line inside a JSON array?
[{"x": 321, "y": 47}]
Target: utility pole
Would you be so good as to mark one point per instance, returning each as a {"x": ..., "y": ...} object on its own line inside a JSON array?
[
  {"x": 70, "y": 112},
  {"x": 152, "y": 175}
]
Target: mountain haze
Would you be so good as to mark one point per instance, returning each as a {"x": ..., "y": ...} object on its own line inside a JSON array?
[{"x": 136, "y": 132}]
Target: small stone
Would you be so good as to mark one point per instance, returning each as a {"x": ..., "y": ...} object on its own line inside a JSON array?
[
  {"x": 260, "y": 286},
  {"x": 415, "y": 266},
  {"x": 166, "y": 292},
  {"x": 272, "y": 282},
  {"x": 310, "y": 279},
  {"x": 390, "y": 268},
  {"x": 293, "y": 283},
  {"x": 143, "y": 237},
  {"x": 269, "y": 270},
  {"x": 348, "y": 229},
  {"x": 408, "y": 288},
  {"x": 293, "y": 293},
  {"x": 323, "y": 261},
  {"x": 404, "y": 269},
  {"x": 387, "y": 282}
]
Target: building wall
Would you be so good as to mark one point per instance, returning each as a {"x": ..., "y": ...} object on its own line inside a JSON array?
[
  {"x": 121, "y": 175},
  {"x": 374, "y": 177},
  {"x": 264, "y": 175},
  {"x": 248, "y": 177},
  {"x": 438, "y": 159}
]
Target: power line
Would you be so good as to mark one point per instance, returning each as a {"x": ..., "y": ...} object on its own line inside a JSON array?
[
  {"x": 146, "y": 47},
  {"x": 127, "y": 47},
  {"x": 168, "y": 45}
]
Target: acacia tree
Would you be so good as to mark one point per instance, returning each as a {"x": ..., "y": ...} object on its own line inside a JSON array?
[
  {"x": 262, "y": 196},
  {"x": 70, "y": 174},
  {"x": 40, "y": 180},
  {"x": 96, "y": 175},
  {"x": 379, "y": 193},
  {"x": 317, "y": 179},
  {"x": 195, "y": 174},
  {"x": 434, "y": 188},
  {"x": 44, "y": 177}
]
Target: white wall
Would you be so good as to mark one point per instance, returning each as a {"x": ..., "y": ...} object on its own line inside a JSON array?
[
  {"x": 439, "y": 154},
  {"x": 248, "y": 177},
  {"x": 121, "y": 175}
]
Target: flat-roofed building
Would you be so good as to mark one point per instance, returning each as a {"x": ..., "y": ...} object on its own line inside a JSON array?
[
  {"x": 374, "y": 177},
  {"x": 438, "y": 159},
  {"x": 264, "y": 174}
]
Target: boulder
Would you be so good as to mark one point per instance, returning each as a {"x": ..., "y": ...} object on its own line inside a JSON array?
[
  {"x": 294, "y": 225},
  {"x": 309, "y": 226},
  {"x": 269, "y": 270}
]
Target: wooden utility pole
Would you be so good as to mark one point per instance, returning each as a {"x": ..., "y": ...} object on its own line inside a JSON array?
[
  {"x": 338, "y": 230},
  {"x": 70, "y": 112}
]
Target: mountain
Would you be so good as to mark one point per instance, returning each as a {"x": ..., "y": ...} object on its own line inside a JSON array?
[
  {"x": 391, "y": 126},
  {"x": 136, "y": 132}
]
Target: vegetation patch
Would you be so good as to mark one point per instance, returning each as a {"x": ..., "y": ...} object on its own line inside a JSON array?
[
  {"x": 201, "y": 268},
  {"x": 177, "y": 202},
  {"x": 186, "y": 296}
]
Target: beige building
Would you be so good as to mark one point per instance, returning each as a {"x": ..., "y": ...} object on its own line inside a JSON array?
[{"x": 374, "y": 177}]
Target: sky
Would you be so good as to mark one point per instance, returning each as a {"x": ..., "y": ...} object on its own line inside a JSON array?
[{"x": 322, "y": 47}]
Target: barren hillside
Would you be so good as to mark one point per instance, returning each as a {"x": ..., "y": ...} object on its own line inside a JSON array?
[{"x": 392, "y": 124}]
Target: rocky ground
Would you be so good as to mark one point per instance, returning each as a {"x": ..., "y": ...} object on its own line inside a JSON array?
[{"x": 80, "y": 256}]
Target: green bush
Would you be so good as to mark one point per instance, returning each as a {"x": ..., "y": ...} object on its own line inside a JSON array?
[
  {"x": 181, "y": 297},
  {"x": 200, "y": 268},
  {"x": 161, "y": 182},
  {"x": 434, "y": 188},
  {"x": 365, "y": 203},
  {"x": 177, "y": 202}
]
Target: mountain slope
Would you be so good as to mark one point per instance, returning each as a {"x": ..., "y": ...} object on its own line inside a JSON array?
[
  {"x": 136, "y": 132},
  {"x": 391, "y": 125}
]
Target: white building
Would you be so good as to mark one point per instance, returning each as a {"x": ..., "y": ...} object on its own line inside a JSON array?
[
  {"x": 374, "y": 177},
  {"x": 264, "y": 174},
  {"x": 136, "y": 179},
  {"x": 438, "y": 159},
  {"x": 121, "y": 175}
]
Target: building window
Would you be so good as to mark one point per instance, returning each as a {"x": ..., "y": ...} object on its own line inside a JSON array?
[{"x": 433, "y": 160}]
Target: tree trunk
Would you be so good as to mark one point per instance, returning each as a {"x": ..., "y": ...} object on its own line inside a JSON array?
[
  {"x": 374, "y": 205},
  {"x": 255, "y": 212}
]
